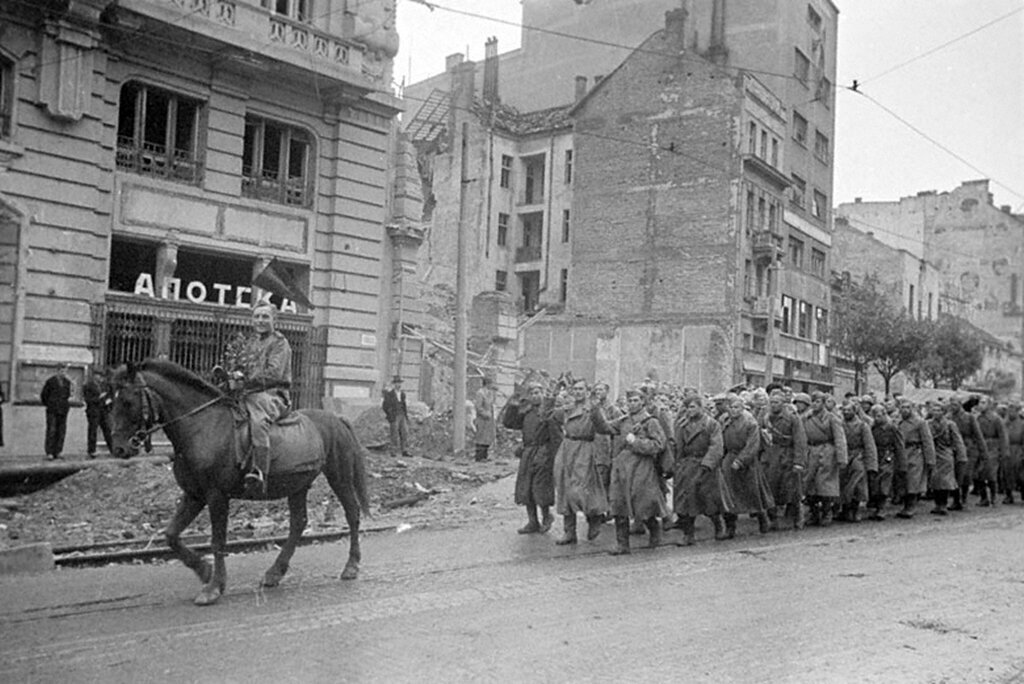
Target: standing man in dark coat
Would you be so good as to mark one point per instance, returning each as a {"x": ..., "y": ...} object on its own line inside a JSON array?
[
  {"x": 56, "y": 397},
  {"x": 861, "y": 465},
  {"x": 977, "y": 451},
  {"x": 785, "y": 459},
  {"x": 542, "y": 434},
  {"x": 826, "y": 457},
  {"x": 3, "y": 398},
  {"x": 397, "y": 414},
  {"x": 486, "y": 432},
  {"x": 949, "y": 448},
  {"x": 889, "y": 445},
  {"x": 95, "y": 393},
  {"x": 746, "y": 488},
  {"x": 919, "y": 450},
  {"x": 698, "y": 460},
  {"x": 993, "y": 431}
]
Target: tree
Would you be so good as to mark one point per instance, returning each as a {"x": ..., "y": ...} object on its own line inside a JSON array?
[
  {"x": 859, "y": 310},
  {"x": 897, "y": 344},
  {"x": 928, "y": 365},
  {"x": 960, "y": 349}
]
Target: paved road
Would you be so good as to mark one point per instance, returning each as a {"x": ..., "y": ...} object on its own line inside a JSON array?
[{"x": 930, "y": 600}]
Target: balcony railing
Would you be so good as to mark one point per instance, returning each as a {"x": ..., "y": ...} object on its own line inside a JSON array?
[
  {"x": 293, "y": 192},
  {"x": 528, "y": 253},
  {"x": 151, "y": 159},
  {"x": 766, "y": 245}
]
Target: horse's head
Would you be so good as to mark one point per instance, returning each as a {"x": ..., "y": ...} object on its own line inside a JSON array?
[{"x": 133, "y": 411}]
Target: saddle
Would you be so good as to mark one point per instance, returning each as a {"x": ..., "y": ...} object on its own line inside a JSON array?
[{"x": 295, "y": 443}]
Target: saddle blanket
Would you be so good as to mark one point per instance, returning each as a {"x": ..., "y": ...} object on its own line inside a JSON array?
[{"x": 295, "y": 445}]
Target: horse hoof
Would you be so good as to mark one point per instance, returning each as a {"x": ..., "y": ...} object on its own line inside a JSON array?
[
  {"x": 205, "y": 572},
  {"x": 350, "y": 572},
  {"x": 208, "y": 597}
]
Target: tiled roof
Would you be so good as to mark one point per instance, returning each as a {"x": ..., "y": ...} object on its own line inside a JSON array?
[{"x": 513, "y": 121}]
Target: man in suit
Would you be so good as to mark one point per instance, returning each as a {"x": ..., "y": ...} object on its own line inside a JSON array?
[
  {"x": 397, "y": 413},
  {"x": 56, "y": 397}
]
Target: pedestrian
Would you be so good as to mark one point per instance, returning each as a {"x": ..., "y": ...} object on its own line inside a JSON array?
[
  {"x": 889, "y": 446},
  {"x": 96, "y": 394},
  {"x": 578, "y": 487},
  {"x": 3, "y": 398},
  {"x": 56, "y": 397},
  {"x": 636, "y": 491},
  {"x": 826, "y": 457},
  {"x": 486, "y": 430},
  {"x": 1012, "y": 475},
  {"x": 696, "y": 480},
  {"x": 977, "y": 450},
  {"x": 949, "y": 448},
  {"x": 919, "y": 453},
  {"x": 396, "y": 411},
  {"x": 603, "y": 443},
  {"x": 785, "y": 460},
  {"x": 542, "y": 434},
  {"x": 744, "y": 481},
  {"x": 862, "y": 463},
  {"x": 993, "y": 431}
]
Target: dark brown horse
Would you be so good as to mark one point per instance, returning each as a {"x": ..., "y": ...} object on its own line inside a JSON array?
[{"x": 200, "y": 422}]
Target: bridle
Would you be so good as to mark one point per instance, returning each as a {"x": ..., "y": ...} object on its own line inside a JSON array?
[{"x": 150, "y": 414}]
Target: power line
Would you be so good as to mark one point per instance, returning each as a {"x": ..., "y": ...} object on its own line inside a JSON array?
[{"x": 937, "y": 48}]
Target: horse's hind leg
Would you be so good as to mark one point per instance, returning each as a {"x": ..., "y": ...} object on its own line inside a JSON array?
[
  {"x": 296, "y": 525},
  {"x": 188, "y": 508},
  {"x": 346, "y": 494},
  {"x": 214, "y": 587}
]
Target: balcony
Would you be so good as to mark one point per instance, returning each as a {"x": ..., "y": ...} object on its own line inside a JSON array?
[
  {"x": 761, "y": 307},
  {"x": 528, "y": 253},
  {"x": 766, "y": 245}
]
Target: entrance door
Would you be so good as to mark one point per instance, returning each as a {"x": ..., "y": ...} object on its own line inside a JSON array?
[{"x": 9, "y": 227}]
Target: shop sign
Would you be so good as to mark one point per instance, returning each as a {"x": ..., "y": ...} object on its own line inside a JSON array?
[{"x": 197, "y": 292}]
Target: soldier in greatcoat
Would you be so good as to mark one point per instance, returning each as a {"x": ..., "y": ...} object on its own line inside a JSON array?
[
  {"x": 977, "y": 451},
  {"x": 542, "y": 433},
  {"x": 826, "y": 456},
  {"x": 636, "y": 491},
  {"x": 697, "y": 472},
  {"x": 949, "y": 448},
  {"x": 862, "y": 464},
  {"x": 785, "y": 459},
  {"x": 745, "y": 483},
  {"x": 1011, "y": 474},
  {"x": 578, "y": 486},
  {"x": 919, "y": 453},
  {"x": 889, "y": 446},
  {"x": 603, "y": 443},
  {"x": 993, "y": 431}
]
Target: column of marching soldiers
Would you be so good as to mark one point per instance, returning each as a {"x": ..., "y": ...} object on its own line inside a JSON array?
[{"x": 660, "y": 458}]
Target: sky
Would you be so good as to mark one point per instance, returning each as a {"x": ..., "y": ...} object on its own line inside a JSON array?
[{"x": 965, "y": 100}]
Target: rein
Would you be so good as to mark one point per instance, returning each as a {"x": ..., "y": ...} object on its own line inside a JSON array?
[{"x": 149, "y": 415}]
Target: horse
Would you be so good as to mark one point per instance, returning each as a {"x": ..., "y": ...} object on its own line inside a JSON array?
[{"x": 199, "y": 419}]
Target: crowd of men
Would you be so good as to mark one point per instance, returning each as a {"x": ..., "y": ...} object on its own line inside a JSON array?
[{"x": 661, "y": 457}]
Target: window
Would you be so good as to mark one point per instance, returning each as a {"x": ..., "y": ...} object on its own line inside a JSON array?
[
  {"x": 821, "y": 150},
  {"x": 799, "y": 191},
  {"x": 764, "y": 145},
  {"x": 501, "y": 281},
  {"x": 276, "y": 162},
  {"x": 804, "y": 320},
  {"x": 563, "y": 291},
  {"x": 796, "y": 252},
  {"x": 750, "y": 211},
  {"x": 813, "y": 18},
  {"x": 775, "y": 151},
  {"x": 748, "y": 278},
  {"x": 931, "y": 302},
  {"x": 801, "y": 66},
  {"x": 799, "y": 128},
  {"x": 773, "y": 218},
  {"x": 158, "y": 133},
  {"x": 818, "y": 263},
  {"x": 565, "y": 225},
  {"x": 762, "y": 215},
  {"x": 786, "y": 322},
  {"x": 6, "y": 97},
  {"x": 824, "y": 94},
  {"x": 820, "y": 324},
  {"x": 752, "y": 138},
  {"x": 506, "y": 171},
  {"x": 910, "y": 301},
  {"x": 299, "y": 10},
  {"x": 533, "y": 179},
  {"x": 568, "y": 167},
  {"x": 503, "y": 230},
  {"x": 820, "y": 205}
]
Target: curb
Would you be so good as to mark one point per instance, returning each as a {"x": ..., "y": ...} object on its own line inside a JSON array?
[{"x": 29, "y": 558}]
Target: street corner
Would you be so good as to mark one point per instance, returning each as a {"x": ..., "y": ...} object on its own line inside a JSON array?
[{"x": 27, "y": 558}]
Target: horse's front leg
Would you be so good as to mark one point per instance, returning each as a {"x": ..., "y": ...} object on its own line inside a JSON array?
[
  {"x": 188, "y": 508},
  {"x": 212, "y": 590},
  {"x": 296, "y": 526}
]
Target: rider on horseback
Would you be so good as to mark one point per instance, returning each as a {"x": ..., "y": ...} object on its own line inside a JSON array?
[{"x": 265, "y": 380}]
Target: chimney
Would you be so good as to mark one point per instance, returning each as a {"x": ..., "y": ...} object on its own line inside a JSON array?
[
  {"x": 1006, "y": 209},
  {"x": 490, "y": 92},
  {"x": 581, "y": 87},
  {"x": 453, "y": 60},
  {"x": 463, "y": 84},
  {"x": 858, "y": 200},
  {"x": 675, "y": 28},
  {"x": 717, "y": 51}
]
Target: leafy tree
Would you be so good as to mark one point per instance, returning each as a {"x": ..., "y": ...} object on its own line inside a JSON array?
[
  {"x": 897, "y": 341},
  {"x": 928, "y": 365},
  {"x": 960, "y": 348},
  {"x": 860, "y": 310}
]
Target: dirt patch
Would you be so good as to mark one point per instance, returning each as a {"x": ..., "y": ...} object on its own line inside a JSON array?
[{"x": 134, "y": 500}]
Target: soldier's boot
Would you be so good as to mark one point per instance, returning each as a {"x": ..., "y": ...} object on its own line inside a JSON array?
[
  {"x": 687, "y": 525},
  {"x": 547, "y": 520},
  {"x": 637, "y": 527},
  {"x": 533, "y": 525},
  {"x": 957, "y": 500},
  {"x": 730, "y": 525},
  {"x": 941, "y": 497},
  {"x": 256, "y": 478},
  {"x": 654, "y": 529},
  {"x": 667, "y": 524},
  {"x": 621, "y": 537},
  {"x": 762, "y": 523},
  {"x": 569, "y": 527},
  {"x": 594, "y": 523},
  {"x": 773, "y": 519},
  {"x": 720, "y": 534},
  {"x": 1008, "y": 491},
  {"x": 799, "y": 519},
  {"x": 909, "y": 502},
  {"x": 826, "y": 512},
  {"x": 981, "y": 489},
  {"x": 853, "y": 512},
  {"x": 992, "y": 489},
  {"x": 814, "y": 508}
]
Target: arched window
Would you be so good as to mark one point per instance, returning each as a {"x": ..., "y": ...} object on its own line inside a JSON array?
[{"x": 277, "y": 162}]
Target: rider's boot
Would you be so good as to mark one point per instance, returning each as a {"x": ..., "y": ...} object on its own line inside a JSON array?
[{"x": 256, "y": 478}]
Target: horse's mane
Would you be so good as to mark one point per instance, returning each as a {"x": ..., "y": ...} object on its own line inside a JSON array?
[{"x": 179, "y": 374}]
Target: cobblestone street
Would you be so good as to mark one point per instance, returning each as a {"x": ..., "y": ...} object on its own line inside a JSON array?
[{"x": 929, "y": 600}]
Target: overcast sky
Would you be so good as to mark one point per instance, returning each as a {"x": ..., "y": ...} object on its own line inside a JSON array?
[{"x": 967, "y": 97}]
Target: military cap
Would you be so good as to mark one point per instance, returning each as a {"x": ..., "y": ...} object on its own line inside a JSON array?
[{"x": 801, "y": 397}]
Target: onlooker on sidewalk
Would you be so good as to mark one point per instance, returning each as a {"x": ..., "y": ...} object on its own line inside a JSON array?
[
  {"x": 3, "y": 398},
  {"x": 96, "y": 393},
  {"x": 486, "y": 429},
  {"x": 56, "y": 397},
  {"x": 397, "y": 413}
]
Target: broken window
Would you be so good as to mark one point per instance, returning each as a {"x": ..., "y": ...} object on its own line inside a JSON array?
[
  {"x": 820, "y": 205},
  {"x": 821, "y": 146},
  {"x": 276, "y": 162},
  {"x": 158, "y": 133},
  {"x": 801, "y": 66},
  {"x": 501, "y": 281},
  {"x": 299, "y": 10},
  {"x": 565, "y": 225},
  {"x": 6, "y": 96},
  {"x": 818, "y": 262},
  {"x": 799, "y": 128},
  {"x": 506, "y": 171},
  {"x": 568, "y": 167},
  {"x": 503, "y": 230},
  {"x": 796, "y": 252}
]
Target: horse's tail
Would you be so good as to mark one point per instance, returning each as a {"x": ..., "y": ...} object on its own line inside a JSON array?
[{"x": 358, "y": 469}]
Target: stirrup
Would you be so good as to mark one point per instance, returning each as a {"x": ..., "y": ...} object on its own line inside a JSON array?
[{"x": 254, "y": 481}]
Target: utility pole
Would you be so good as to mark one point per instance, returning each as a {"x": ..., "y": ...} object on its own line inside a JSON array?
[{"x": 459, "y": 401}]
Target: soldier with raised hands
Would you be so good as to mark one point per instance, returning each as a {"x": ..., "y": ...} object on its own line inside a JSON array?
[{"x": 542, "y": 434}]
